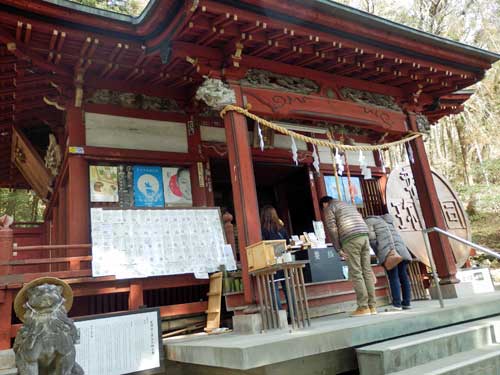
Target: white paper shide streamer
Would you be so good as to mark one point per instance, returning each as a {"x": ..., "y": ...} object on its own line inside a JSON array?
[
  {"x": 261, "y": 139},
  {"x": 365, "y": 170},
  {"x": 382, "y": 161},
  {"x": 339, "y": 161},
  {"x": 295, "y": 156},
  {"x": 410, "y": 153},
  {"x": 315, "y": 158}
]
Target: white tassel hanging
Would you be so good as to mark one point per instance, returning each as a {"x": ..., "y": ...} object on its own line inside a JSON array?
[
  {"x": 362, "y": 162},
  {"x": 382, "y": 161},
  {"x": 410, "y": 153},
  {"x": 315, "y": 158},
  {"x": 261, "y": 139},
  {"x": 367, "y": 173},
  {"x": 295, "y": 156},
  {"x": 339, "y": 161}
]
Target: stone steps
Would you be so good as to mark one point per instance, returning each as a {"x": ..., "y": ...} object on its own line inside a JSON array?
[
  {"x": 481, "y": 361},
  {"x": 402, "y": 353},
  {"x": 8, "y": 371},
  {"x": 459, "y": 349}
]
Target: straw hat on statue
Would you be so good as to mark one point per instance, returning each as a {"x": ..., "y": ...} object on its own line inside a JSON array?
[{"x": 22, "y": 297}]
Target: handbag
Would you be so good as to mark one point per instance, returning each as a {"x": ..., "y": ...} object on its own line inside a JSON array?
[{"x": 393, "y": 258}]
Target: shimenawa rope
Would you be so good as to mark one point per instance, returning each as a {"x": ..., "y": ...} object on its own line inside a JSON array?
[{"x": 317, "y": 142}]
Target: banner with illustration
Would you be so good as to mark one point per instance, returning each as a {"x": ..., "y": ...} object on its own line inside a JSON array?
[
  {"x": 331, "y": 189},
  {"x": 177, "y": 186},
  {"x": 103, "y": 183},
  {"x": 148, "y": 186}
]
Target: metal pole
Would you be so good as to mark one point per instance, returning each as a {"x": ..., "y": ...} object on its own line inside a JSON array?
[
  {"x": 464, "y": 241},
  {"x": 433, "y": 267}
]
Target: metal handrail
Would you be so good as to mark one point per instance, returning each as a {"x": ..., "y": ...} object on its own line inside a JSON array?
[
  {"x": 460, "y": 239},
  {"x": 456, "y": 238}
]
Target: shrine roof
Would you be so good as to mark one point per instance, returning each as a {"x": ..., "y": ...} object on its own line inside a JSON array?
[{"x": 47, "y": 45}]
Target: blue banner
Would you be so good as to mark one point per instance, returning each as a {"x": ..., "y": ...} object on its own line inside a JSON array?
[
  {"x": 331, "y": 189},
  {"x": 148, "y": 187}
]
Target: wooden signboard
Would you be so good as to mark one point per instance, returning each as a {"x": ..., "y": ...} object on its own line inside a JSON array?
[{"x": 30, "y": 164}]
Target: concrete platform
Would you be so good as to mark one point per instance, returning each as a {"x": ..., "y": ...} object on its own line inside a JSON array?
[{"x": 327, "y": 335}]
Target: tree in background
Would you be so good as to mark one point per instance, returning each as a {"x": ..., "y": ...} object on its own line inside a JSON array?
[
  {"x": 465, "y": 148},
  {"x": 23, "y": 205},
  {"x": 130, "y": 7}
]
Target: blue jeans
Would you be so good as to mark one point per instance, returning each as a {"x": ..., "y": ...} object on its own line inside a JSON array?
[{"x": 400, "y": 284}]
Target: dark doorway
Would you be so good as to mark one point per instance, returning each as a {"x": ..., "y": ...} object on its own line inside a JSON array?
[{"x": 286, "y": 187}]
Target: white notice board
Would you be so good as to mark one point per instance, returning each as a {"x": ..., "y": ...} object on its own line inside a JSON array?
[
  {"x": 157, "y": 242},
  {"x": 479, "y": 277},
  {"x": 116, "y": 344}
]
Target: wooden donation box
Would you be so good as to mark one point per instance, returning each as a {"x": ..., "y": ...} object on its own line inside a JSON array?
[{"x": 263, "y": 254}]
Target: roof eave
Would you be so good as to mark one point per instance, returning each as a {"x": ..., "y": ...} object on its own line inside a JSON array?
[{"x": 356, "y": 15}]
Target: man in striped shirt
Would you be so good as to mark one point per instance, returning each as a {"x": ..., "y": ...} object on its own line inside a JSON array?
[{"x": 349, "y": 235}]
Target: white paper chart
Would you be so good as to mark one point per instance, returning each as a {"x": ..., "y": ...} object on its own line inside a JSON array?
[
  {"x": 119, "y": 345},
  {"x": 148, "y": 242}
]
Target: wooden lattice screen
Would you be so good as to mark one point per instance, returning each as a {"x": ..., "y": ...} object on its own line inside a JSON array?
[{"x": 372, "y": 198}]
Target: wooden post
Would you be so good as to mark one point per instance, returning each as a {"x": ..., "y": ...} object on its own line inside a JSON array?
[
  {"x": 196, "y": 170},
  {"x": 78, "y": 210},
  {"x": 227, "y": 219},
  {"x": 6, "y": 245},
  {"x": 135, "y": 296},
  {"x": 431, "y": 208},
  {"x": 314, "y": 194},
  {"x": 243, "y": 186}
]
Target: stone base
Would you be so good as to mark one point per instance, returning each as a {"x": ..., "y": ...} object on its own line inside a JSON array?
[
  {"x": 7, "y": 359},
  {"x": 252, "y": 323},
  {"x": 460, "y": 290}
]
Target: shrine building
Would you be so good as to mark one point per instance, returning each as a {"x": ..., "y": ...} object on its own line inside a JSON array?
[{"x": 91, "y": 101}]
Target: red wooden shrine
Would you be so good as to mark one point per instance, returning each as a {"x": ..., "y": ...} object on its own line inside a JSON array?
[{"x": 75, "y": 72}]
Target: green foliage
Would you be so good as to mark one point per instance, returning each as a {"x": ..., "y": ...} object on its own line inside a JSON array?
[
  {"x": 22, "y": 205},
  {"x": 129, "y": 7}
]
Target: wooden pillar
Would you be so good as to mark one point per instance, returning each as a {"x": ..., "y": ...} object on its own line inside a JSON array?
[
  {"x": 227, "y": 219},
  {"x": 6, "y": 244},
  {"x": 431, "y": 208},
  {"x": 78, "y": 211},
  {"x": 136, "y": 295},
  {"x": 243, "y": 186},
  {"x": 314, "y": 194},
  {"x": 197, "y": 171}
]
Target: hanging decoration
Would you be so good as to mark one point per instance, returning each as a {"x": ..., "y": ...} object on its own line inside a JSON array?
[
  {"x": 294, "y": 151},
  {"x": 409, "y": 150},
  {"x": 335, "y": 160},
  {"x": 315, "y": 141},
  {"x": 349, "y": 182},
  {"x": 382, "y": 161},
  {"x": 315, "y": 158},
  {"x": 339, "y": 162},
  {"x": 365, "y": 170},
  {"x": 261, "y": 139}
]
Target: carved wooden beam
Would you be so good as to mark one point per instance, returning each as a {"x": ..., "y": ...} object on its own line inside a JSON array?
[{"x": 22, "y": 51}]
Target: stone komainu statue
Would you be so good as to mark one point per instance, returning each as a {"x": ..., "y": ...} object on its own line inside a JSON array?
[{"x": 45, "y": 345}]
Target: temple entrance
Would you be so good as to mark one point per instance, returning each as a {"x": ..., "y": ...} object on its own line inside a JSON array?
[{"x": 285, "y": 187}]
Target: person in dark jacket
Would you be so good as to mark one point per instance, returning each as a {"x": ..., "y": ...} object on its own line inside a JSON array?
[
  {"x": 349, "y": 235},
  {"x": 271, "y": 225},
  {"x": 383, "y": 238},
  {"x": 274, "y": 229}
]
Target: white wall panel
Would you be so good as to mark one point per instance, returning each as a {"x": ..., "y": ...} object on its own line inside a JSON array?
[
  {"x": 352, "y": 156},
  {"x": 134, "y": 133}
]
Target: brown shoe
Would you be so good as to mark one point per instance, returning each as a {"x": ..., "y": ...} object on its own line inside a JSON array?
[
  {"x": 373, "y": 310},
  {"x": 361, "y": 311}
]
